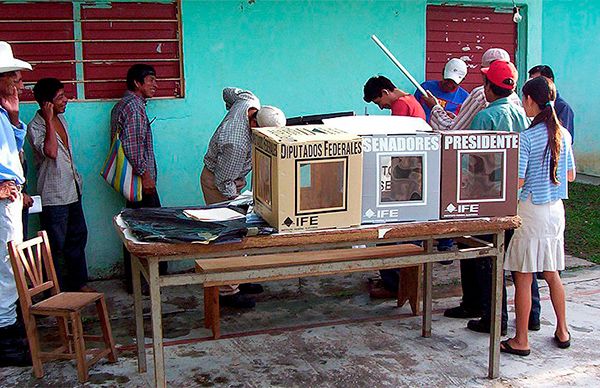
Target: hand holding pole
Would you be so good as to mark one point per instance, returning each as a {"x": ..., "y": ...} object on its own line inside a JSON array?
[{"x": 399, "y": 65}]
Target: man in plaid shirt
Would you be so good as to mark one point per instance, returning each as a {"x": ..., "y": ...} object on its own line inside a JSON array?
[
  {"x": 475, "y": 102},
  {"x": 130, "y": 122},
  {"x": 228, "y": 161}
]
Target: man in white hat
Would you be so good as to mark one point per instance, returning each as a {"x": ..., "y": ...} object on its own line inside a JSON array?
[
  {"x": 449, "y": 96},
  {"x": 448, "y": 92},
  {"x": 440, "y": 119},
  {"x": 228, "y": 161},
  {"x": 13, "y": 348}
]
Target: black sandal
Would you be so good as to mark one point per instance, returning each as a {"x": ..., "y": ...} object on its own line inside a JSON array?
[
  {"x": 562, "y": 344},
  {"x": 506, "y": 348}
]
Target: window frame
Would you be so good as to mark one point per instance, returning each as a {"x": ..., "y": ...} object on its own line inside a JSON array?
[{"x": 78, "y": 60}]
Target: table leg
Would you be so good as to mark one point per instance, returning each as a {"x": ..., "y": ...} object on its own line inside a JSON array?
[
  {"x": 157, "y": 335},
  {"x": 139, "y": 317},
  {"x": 215, "y": 312},
  {"x": 497, "y": 289},
  {"x": 207, "y": 310},
  {"x": 427, "y": 290}
]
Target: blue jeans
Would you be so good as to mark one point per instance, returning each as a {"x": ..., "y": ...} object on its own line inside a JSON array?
[
  {"x": 67, "y": 232},
  {"x": 444, "y": 244}
]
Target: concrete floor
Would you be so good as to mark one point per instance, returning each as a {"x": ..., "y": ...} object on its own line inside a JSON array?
[{"x": 327, "y": 332}]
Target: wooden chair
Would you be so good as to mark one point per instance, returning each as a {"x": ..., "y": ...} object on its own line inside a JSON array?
[{"x": 34, "y": 274}]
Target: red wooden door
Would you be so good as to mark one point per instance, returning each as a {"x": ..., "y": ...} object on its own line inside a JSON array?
[{"x": 466, "y": 33}]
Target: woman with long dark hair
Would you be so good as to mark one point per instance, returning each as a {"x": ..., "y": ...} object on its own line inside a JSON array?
[{"x": 546, "y": 165}]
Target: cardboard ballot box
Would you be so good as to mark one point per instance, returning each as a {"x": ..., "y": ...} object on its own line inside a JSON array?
[
  {"x": 401, "y": 167},
  {"x": 307, "y": 177},
  {"x": 479, "y": 174}
]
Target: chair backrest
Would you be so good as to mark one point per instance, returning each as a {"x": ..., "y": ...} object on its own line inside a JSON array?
[{"x": 33, "y": 268}]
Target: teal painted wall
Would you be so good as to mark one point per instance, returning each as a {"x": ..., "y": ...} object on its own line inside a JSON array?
[
  {"x": 304, "y": 56},
  {"x": 570, "y": 47}
]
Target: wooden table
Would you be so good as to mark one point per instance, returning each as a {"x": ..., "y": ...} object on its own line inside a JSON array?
[{"x": 146, "y": 257}]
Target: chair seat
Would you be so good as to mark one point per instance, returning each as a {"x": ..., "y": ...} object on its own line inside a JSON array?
[{"x": 66, "y": 302}]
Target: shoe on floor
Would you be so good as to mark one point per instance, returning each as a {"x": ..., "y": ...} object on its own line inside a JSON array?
[
  {"x": 381, "y": 293},
  {"x": 461, "y": 312},
  {"x": 238, "y": 300},
  {"x": 506, "y": 348},
  {"x": 14, "y": 355},
  {"x": 480, "y": 326},
  {"x": 251, "y": 288},
  {"x": 534, "y": 326},
  {"x": 562, "y": 344},
  {"x": 14, "y": 350}
]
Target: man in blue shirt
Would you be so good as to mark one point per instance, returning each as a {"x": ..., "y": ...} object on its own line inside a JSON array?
[
  {"x": 13, "y": 347},
  {"x": 563, "y": 109},
  {"x": 450, "y": 96}
]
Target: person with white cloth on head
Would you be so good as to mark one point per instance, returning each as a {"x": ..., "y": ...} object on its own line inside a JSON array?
[
  {"x": 442, "y": 120},
  {"x": 449, "y": 94},
  {"x": 13, "y": 346},
  {"x": 228, "y": 161}
]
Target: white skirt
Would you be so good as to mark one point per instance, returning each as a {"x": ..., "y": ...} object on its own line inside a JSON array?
[{"x": 538, "y": 244}]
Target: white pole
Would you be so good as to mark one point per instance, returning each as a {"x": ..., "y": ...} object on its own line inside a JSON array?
[{"x": 399, "y": 65}]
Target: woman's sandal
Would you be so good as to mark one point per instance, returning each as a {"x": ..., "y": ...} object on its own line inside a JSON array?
[
  {"x": 562, "y": 344},
  {"x": 506, "y": 348}
]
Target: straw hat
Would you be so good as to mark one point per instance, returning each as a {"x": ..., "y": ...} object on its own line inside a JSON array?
[{"x": 8, "y": 62}]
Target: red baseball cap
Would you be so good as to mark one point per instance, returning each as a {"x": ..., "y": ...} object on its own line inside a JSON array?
[{"x": 502, "y": 74}]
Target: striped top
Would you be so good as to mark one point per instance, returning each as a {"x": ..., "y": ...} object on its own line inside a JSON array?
[
  {"x": 476, "y": 102},
  {"x": 534, "y": 166}
]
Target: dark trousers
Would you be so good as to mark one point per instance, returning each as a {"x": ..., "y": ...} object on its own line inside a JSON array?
[
  {"x": 390, "y": 278},
  {"x": 25, "y": 217},
  {"x": 67, "y": 232},
  {"x": 150, "y": 201},
  {"x": 476, "y": 281}
]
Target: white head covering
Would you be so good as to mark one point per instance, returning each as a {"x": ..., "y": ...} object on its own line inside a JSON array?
[
  {"x": 270, "y": 116},
  {"x": 494, "y": 54},
  {"x": 456, "y": 70},
  {"x": 8, "y": 62}
]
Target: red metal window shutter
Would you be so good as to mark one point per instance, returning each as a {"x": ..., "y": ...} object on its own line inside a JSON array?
[
  {"x": 42, "y": 34},
  {"x": 466, "y": 33},
  {"x": 122, "y": 34}
]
